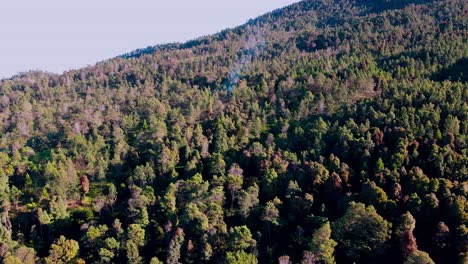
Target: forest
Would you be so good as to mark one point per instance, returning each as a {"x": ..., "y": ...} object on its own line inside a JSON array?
[{"x": 328, "y": 131}]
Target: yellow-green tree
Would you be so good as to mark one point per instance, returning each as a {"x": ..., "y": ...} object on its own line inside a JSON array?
[{"x": 322, "y": 246}]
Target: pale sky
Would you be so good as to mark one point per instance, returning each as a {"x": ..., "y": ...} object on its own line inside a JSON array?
[{"x": 57, "y": 35}]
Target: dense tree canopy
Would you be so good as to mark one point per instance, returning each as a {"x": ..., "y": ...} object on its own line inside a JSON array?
[{"x": 327, "y": 131}]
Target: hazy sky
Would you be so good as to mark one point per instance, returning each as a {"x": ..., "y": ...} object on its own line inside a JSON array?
[{"x": 56, "y": 35}]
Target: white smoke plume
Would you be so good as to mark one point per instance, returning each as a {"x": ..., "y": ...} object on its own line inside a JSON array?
[{"x": 253, "y": 45}]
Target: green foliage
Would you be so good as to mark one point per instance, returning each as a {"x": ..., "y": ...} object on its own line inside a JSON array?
[
  {"x": 58, "y": 208},
  {"x": 173, "y": 252},
  {"x": 63, "y": 251},
  {"x": 22, "y": 255},
  {"x": 155, "y": 260},
  {"x": 270, "y": 213},
  {"x": 143, "y": 175},
  {"x": 83, "y": 215},
  {"x": 361, "y": 231},
  {"x": 419, "y": 257},
  {"x": 240, "y": 257},
  {"x": 43, "y": 217},
  {"x": 248, "y": 199},
  {"x": 109, "y": 250},
  {"x": 322, "y": 246},
  {"x": 251, "y": 140},
  {"x": 240, "y": 238},
  {"x": 136, "y": 234},
  {"x": 406, "y": 223},
  {"x": 371, "y": 194},
  {"x": 194, "y": 219},
  {"x": 133, "y": 256},
  {"x": 217, "y": 164}
]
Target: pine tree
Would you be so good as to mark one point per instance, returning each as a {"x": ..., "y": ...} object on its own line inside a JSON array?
[
  {"x": 322, "y": 246},
  {"x": 361, "y": 231},
  {"x": 173, "y": 252}
]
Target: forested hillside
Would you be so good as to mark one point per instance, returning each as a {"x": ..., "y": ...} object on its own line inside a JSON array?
[{"x": 327, "y": 131}]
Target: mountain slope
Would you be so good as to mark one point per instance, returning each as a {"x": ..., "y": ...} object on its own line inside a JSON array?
[{"x": 326, "y": 130}]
